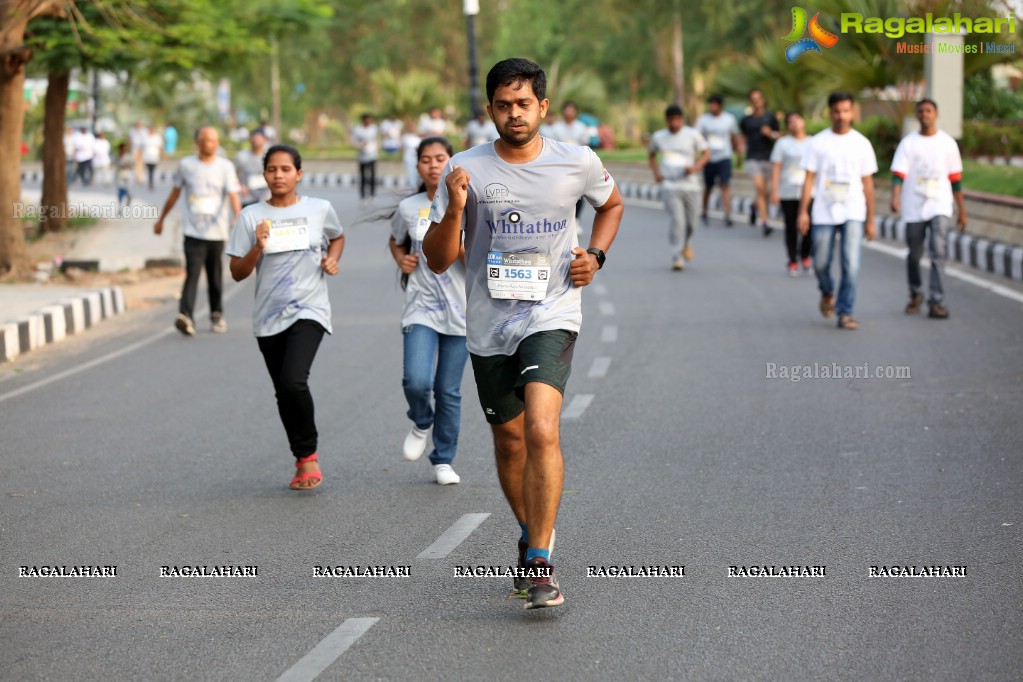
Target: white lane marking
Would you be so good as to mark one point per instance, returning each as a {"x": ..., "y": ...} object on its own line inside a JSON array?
[
  {"x": 598, "y": 370},
  {"x": 577, "y": 406},
  {"x": 131, "y": 348},
  {"x": 600, "y": 289},
  {"x": 609, "y": 333},
  {"x": 327, "y": 651},
  {"x": 898, "y": 252},
  {"x": 998, "y": 289},
  {"x": 453, "y": 536},
  {"x": 607, "y": 308}
]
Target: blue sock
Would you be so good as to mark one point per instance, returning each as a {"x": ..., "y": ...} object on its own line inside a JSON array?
[
  {"x": 525, "y": 533},
  {"x": 533, "y": 553}
]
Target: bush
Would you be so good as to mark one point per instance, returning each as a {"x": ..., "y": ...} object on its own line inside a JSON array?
[{"x": 987, "y": 138}]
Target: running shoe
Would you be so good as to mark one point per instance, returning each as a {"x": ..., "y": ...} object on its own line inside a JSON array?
[
  {"x": 521, "y": 585},
  {"x": 807, "y": 265},
  {"x": 847, "y": 322},
  {"x": 915, "y": 301},
  {"x": 827, "y": 305},
  {"x": 183, "y": 323},
  {"x": 728, "y": 221},
  {"x": 793, "y": 270},
  {"x": 687, "y": 253},
  {"x": 217, "y": 323},
  {"x": 767, "y": 230},
  {"x": 445, "y": 474},
  {"x": 677, "y": 263},
  {"x": 937, "y": 312},
  {"x": 415, "y": 443},
  {"x": 543, "y": 586}
]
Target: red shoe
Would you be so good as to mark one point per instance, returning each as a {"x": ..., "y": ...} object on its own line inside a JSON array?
[
  {"x": 793, "y": 270},
  {"x": 807, "y": 264},
  {"x": 316, "y": 477}
]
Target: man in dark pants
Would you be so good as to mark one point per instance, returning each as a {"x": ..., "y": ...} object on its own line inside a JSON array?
[{"x": 210, "y": 185}]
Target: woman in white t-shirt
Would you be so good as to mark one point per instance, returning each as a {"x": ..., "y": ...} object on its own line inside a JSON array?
[
  {"x": 290, "y": 241},
  {"x": 787, "y": 189},
  {"x": 433, "y": 323},
  {"x": 152, "y": 148}
]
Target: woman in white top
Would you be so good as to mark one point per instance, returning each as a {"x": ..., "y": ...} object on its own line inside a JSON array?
[
  {"x": 291, "y": 242},
  {"x": 433, "y": 323}
]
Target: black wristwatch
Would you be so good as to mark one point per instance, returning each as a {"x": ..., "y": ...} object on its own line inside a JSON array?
[{"x": 600, "y": 257}]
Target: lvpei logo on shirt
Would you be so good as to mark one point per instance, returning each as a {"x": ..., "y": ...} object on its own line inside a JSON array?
[{"x": 818, "y": 36}]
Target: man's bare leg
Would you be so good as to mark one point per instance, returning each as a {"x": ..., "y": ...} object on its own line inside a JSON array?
[
  {"x": 510, "y": 455},
  {"x": 544, "y": 473}
]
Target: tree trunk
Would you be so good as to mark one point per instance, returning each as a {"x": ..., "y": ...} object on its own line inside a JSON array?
[
  {"x": 14, "y": 17},
  {"x": 678, "y": 72},
  {"x": 52, "y": 213}
]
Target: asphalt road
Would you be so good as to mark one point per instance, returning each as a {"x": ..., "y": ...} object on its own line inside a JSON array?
[{"x": 133, "y": 446}]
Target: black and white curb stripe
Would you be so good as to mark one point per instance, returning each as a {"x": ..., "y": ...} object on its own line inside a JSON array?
[
  {"x": 989, "y": 255},
  {"x": 309, "y": 180},
  {"x": 53, "y": 323}
]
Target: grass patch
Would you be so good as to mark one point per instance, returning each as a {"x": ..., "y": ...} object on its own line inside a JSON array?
[{"x": 985, "y": 177}]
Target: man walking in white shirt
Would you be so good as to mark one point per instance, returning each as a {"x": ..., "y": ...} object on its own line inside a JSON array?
[
  {"x": 928, "y": 165},
  {"x": 840, "y": 166}
]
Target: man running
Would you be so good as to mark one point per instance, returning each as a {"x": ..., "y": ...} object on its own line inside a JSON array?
[
  {"x": 721, "y": 131},
  {"x": 514, "y": 200},
  {"x": 929, "y": 165},
  {"x": 249, "y": 164},
  {"x": 210, "y": 185},
  {"x": 840, "y": 166},
  {"x": 683, "y": 153},
  {"x": 760, "y": 129}
]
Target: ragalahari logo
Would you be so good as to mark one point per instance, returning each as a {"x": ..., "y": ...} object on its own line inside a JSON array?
[{"x": 819, "y": 37}]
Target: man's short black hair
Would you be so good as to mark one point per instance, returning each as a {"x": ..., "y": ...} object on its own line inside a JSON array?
[
  {"x": 715, "y": 99},
  {"x": 672, "y": 110},
  {"x": 927, "y": 100},
  {"x": 516, "y": 70},
  {"x": 840, "y": 96}
]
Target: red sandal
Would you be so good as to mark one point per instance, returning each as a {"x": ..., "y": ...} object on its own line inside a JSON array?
[{"x": 315, "y": 476}]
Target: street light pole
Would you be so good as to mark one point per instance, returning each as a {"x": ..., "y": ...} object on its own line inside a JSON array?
[{"x": 471, "y": 8}]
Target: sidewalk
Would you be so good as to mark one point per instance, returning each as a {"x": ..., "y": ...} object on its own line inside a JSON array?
[{"x": 33, "y": 315}]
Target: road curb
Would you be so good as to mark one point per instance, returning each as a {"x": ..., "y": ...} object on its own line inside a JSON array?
[
  {"x": 55, "y": 322},
  {"x": 988, "y": 255}
]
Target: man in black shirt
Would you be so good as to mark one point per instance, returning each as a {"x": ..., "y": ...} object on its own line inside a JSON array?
[{"x": 759, "y": 130}]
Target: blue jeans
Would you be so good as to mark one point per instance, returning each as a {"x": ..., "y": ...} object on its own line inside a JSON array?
[
  {"x": 824, "y": 236},
  {"x": 434, "y": 363},
  {"x": 932, "y": 232}
]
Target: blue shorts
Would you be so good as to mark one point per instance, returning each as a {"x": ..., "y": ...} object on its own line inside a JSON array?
[{"x": 720, "y": 170}]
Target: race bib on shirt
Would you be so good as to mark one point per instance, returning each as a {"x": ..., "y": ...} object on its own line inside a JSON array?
[
  {"x": 205, "y": 205},
  {"x": 422, "y": 224},
  {"x": 836, "y": 192},
  {"x": 929, "y": 188},
  {"x": 794, "y": 175},
  {"x": 716, "y": 143},
  {"x": 674, "y": 165},
  {"x": 522, "y": 276},
  {"x": 291, "y": 234},
  {"x": 256, "y": 183}
]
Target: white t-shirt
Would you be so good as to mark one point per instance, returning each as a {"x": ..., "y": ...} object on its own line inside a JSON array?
[
  {"x": 718, "y": 131},
  {"x": 206, "y": 213},
  {"x": 152, "y": 148},
  {"x": 432, "y": 127},
  {"x": 519, "y": 223},
  {"x": 575, "y": 132},
  {"x": 432, "y": 300},
  {"x": 926, "y": 164},
  {"x": 840, "y": 162},
  {"x": 679, "y": 151},
  {"x": 137, "y": 137},
  {"x": 788, "y": 151},
  {"x": 101, "y": 153},
  {"x": 365, "y": 138},
  {"x": 84, "y": 146},
  {"x": 480, "y": 133},
  {"x": 290, "y": 284}
]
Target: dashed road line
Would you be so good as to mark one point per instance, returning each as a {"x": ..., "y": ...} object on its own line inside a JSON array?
[
  {"x": 609, "y": 333},
  {"x": 607, "y": 308},
  {"x": 598, "y": 370},
  {"x": 577, "y": 406},
  {"x": 600, "y": 289},
  {"x": 327, "y": 651},
  {"x": 453, "y": 536}
]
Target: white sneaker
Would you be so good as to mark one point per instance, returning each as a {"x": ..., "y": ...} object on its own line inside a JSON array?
[
  {"x": 415, "y": 444},
  {"x": 445, "y": 474},
  {"x": 678, "y": 264}
]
